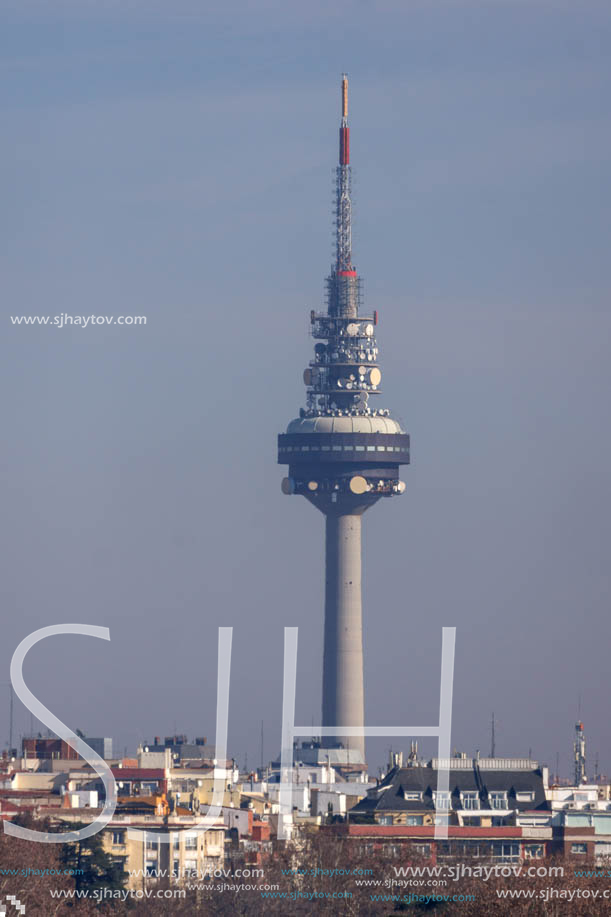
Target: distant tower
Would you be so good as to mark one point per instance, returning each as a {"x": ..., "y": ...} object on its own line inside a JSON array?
[
  {"x": 343, "y": 456},
  {"x": 579, "y": 748}
]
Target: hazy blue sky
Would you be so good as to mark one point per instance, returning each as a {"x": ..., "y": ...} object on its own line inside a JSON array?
[{"x": 174, "y": 160}]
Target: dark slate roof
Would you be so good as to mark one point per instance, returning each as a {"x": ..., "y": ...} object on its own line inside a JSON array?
[
  {"x": 518, "y": 781},
  {"x": 390, "y": 794}
]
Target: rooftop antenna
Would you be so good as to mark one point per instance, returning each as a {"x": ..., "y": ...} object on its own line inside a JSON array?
[
  {"x": 9, "y": 685},
  {"x": 579, "y": 752},
  {"x": 557, "y": 767},
  {"x": 493, "y": 739},
  {"x": 10, "y": 733},
  {"x": 261, "y": 748}
]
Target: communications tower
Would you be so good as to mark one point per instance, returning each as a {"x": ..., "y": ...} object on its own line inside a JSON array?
[
  {"x": 343, "y": 454},
  {"x": 579, "y": 754}
]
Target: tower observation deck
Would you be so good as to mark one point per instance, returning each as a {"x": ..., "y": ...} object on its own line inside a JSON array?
[{"x": 343, "y": 455}]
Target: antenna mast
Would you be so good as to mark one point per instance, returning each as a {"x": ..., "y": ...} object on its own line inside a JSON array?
[{"x": 579, "y": 749}]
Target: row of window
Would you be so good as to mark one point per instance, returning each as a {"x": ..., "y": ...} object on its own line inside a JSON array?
[
  {"x": 409, "y": 820},
  {"x": 468, "y": 797},
  {"x": 500, "y": 851},
  {"x": 190, "y": 841},
  {"x": 343, "y": 449},
  {"x": 496, "y": 850},
  {"x": 471, "y": 799}
]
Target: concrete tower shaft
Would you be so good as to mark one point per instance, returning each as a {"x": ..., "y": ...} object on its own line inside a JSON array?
[
  {"x": 343, "y": 456},
  {"x": 342, "y": 676}
]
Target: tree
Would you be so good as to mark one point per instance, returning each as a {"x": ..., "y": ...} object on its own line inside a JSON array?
[
  {"x": 32, "y": 872},
  {"x": 93, "y": 867}
]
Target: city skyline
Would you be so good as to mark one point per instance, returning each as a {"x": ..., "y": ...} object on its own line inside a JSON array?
[{"x": 177, "y": 165}]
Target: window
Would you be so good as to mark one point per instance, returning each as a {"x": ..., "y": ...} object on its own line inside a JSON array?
[
  {"x": 391, "y": 850},
  {"x": 442, "y": 819},
  {"x": 176, "y": 841},
  {"x": 191, "y": 842},
  {"x": 151, "y": 845},
  {"x": 441, "y": 800},
  {"x": 498, "y": 800},
  {"x": 151, "y": 868},
  {"x": 501, "y": 851},
  {"x": 463, "y": 849},
  {"x": 470, "y": 800},
  {"x": 579, "y": 848},
  {"x": 422, "y": 849},
  {"x": 117, "y": 837},
  {"x": 524, "y": 796},
  {"x": 414, "y": 820},
  {"x": 534, "y": 851},
  {"x": 384, "y": 819},
  {"x": 412, "y": 794}
]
